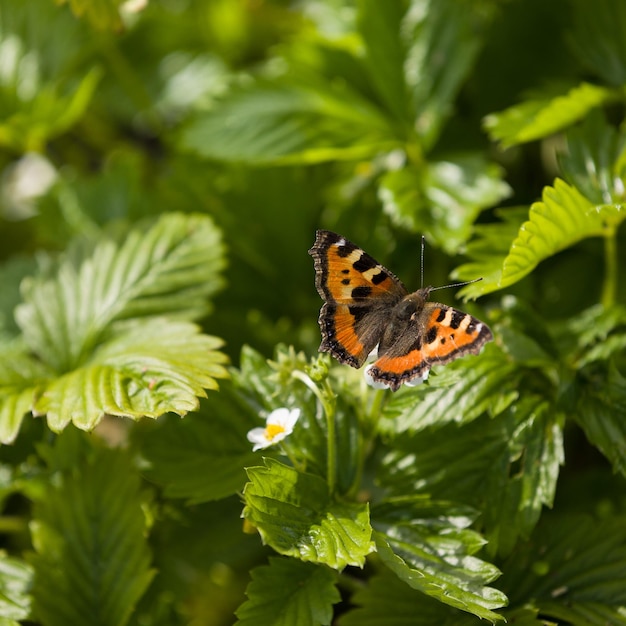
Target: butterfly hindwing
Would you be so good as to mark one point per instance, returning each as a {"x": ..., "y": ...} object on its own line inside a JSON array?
[
  {"x": 438, "y": 335},
  {"x": 358, "y": 291}
]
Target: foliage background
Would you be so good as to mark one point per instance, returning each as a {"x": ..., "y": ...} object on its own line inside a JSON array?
[{"x": 164, "y": 168}]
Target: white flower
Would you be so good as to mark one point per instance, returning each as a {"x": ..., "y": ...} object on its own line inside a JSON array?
[{"x": 278, "y": 425}]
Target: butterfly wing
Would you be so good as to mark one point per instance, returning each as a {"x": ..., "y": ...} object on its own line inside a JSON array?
[
  {"x": 438, "y": 335},
  {"x": 358, "y": 292}
]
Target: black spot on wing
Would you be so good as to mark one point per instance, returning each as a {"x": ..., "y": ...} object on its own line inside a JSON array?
[
  {"x": 358, "y": 312},
  {"x": 431, "y": 335},
  {"x": 345, "y": 249},
  {"x": 379, "y": 278},
  {"x": 345, "y": 281},
  {"x": 363, "y": 263},
  {"x": 442, "y": 314},
  {"x": 457, "y": 318},
  {"x": 362, "y": 292}
]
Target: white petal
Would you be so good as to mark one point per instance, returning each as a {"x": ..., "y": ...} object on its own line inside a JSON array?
[
  {"x": 418, "y": 380},
  {"x": 376, "y": 384}
]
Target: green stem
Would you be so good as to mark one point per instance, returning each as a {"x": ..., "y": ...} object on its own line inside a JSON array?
[
  {"x": 327, "y": 400},
  {"x": 331, "y": 443},
  {"x": 368, "y": 434},
  {"x": 609, "y": 288}
]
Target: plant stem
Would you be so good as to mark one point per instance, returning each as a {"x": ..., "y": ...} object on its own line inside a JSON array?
[
  {"x": 327, "y": 400},
  {"x": 331, "y": 450},
  {"x": 609, "y": 287}
]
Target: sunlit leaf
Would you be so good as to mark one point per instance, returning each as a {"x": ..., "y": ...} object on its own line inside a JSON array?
[
  {"x": 387, "y": 599},
  {"x": 442, "y": 199},
  {"x": 152, "y": 368},
  {"x": 16, "y": 578},
  {"x": 460, "y": 581},
  {"x": 562, "y": 218},
  {"x": 283, "y": 124},
  {"x": 488, "y": 249},
  {"x": 168, "y": 270},
  {"x": 537, "y": 118},
  {"x": 507, "y": 466},
  {"x": 288, "y": 592},
  {"x": 594, "y": 160},
  {"x": 296, "y": 516},
  {"x": 458, "y": 393},
  {"x": 37, "y": 101},
  {"x": 20, "y": 376}
]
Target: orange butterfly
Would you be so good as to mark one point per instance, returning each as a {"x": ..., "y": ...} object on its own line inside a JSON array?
[{"x": 366, "y": 307}]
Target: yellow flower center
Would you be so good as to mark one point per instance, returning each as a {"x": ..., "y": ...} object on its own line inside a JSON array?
[{"x": 271, "y": 430}]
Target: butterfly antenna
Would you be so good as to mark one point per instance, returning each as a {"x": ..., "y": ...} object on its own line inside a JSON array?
[
  {"x": 467, "y": 282},
  {"x": 422, "y": 263}
]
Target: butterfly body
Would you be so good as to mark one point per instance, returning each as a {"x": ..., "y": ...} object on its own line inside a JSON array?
[{"x": 367, "y": 307}]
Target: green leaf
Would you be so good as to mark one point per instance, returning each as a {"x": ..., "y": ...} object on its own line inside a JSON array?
[
  {"x": 92, "y": 558},
  {"x": 296, "y": 516},
  {"x": 594, "y": 160},
  {"x": 442, "y": 199},
  {"x": 385, "y": 53},
  {"x": 168, "y": 270},
  {"x": 598, "y": 333},
  {"x": 308, "y": 123},
  {"x": 562, "y": 218},
  {"x": 20, "y": 376},
  {"x": 202, "y": 458},
  {"x": 597, "y": 37},
  {"x": 387, "y": 599},
  {"x": 441, "y": 567},
  {"x": 460, "y": 392},
  {"x": 573, "y": 569},
  {"x": 49, "y": 112},
  {"x": 84, "y": 324},
  {"x": 443, "y": 39},
  {"x": 11, "y": 275},
  {"x": 601, "y": 413},
  {"x": 266, "y": 385},
  {"x": 16, "y": 579},
  {"x": 153, "y": 368},
  {"x": 101, "y": 15},
  {"x": 487, "y": 251},
  {"x": 288, "y": 592},
  {"x": 506, "y": 466},
  {"x": 542, "y": 116}
]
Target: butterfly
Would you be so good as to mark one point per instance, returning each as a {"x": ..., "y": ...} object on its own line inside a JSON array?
[{"x": 367, "y": 307}]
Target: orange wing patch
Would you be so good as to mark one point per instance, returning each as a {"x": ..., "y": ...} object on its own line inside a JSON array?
[
  {"x": 356, "y": 276},
  {"x": 339, "y": 335},
  {"x": 447, "y": 335},
  {"x": 450, "y": 334},
  {"x": 347, "y": 274}
]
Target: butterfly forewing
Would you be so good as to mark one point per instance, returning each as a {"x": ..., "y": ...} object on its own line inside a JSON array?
[{"x": 345, "y": 273}]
